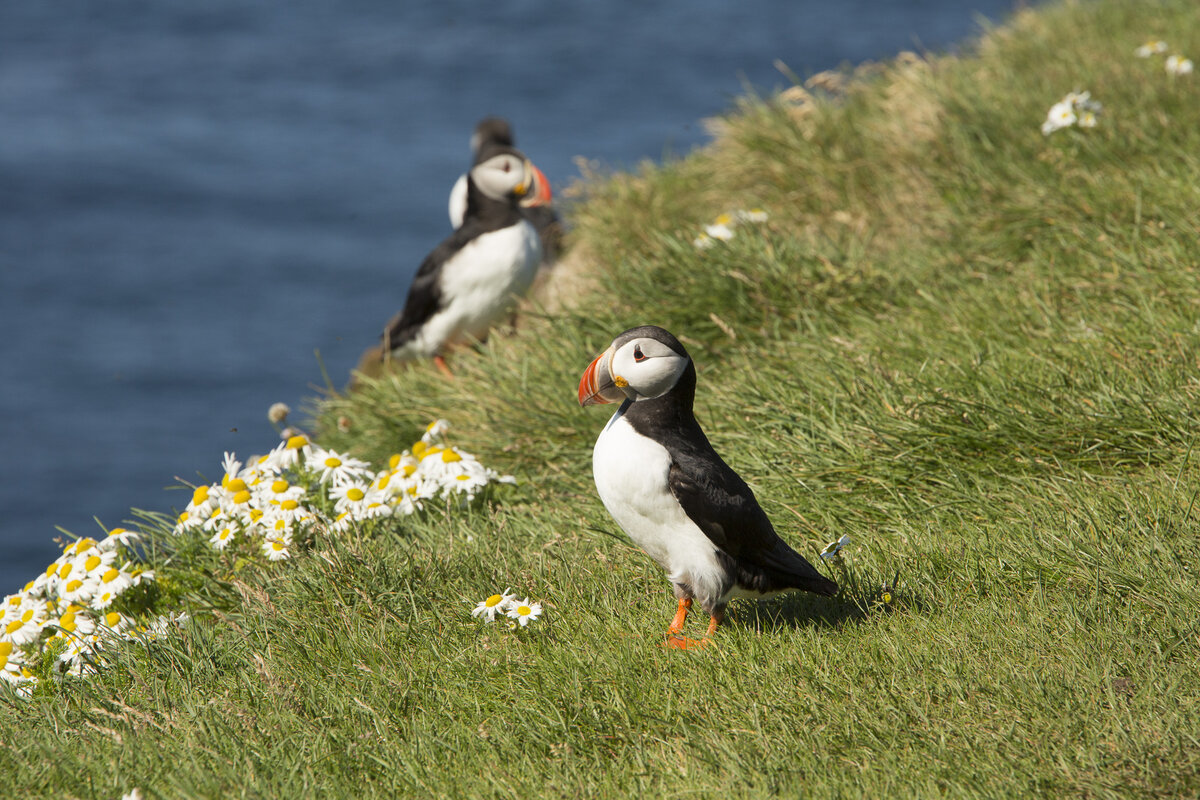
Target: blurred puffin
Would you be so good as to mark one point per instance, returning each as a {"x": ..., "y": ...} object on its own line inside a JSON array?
[
  {"x": 493, "y": 132},
  {"x": 668, "y": 489},
  {"x": 471, "y": 280}
]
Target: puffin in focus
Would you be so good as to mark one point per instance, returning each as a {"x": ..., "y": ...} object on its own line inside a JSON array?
[
  {"x": 472, "y": 279},
  {"x": 494, "y": 132},
  {"x": 665, "y": 485}
]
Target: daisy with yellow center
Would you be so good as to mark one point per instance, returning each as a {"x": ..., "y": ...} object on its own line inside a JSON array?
[
  {"x": 524, "y": 611},
  {"x": 276, "y": 549},
  {"x": 1178, "y": 65},
  {"x": 223, "y": 538},
  {"x": 491, "y": 606},
  {"x": 1150, "y": 48},
  {"x": 336, "y": 468},
  {"x": 25, "y": 627},
  {"x": 118, "y": 537},
  {"x": 76, "y": 623}
]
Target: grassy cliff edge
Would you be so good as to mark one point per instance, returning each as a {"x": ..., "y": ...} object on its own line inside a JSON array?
[{"x": 970, "y": 346}]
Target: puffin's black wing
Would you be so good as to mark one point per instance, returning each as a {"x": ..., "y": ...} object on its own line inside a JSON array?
[
  {"x": 425, "y": 293},
  {"x": 723, "y": 507}
]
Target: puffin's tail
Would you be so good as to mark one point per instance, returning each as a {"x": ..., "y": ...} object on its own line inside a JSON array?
[
  {"x": 779, "y": 569},
  {"x": 794, "y": 570}
]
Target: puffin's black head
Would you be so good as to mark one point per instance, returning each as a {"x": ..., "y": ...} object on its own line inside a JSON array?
[
  {"x": 641, "y": 364},
  {"x": 491, "y": 131},
  {"x": 504, "y": 172}
]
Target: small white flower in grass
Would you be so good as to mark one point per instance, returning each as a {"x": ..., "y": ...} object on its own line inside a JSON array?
[
  {"x": 26, "y": 626},
  {"x": 1061, "y": 115},
  {"x": 139, "y": 576},
  {"x": 703, "y": 242},
  {"x": 336, "y": 468},
  {"x": 1150, "y": 48},
  {"x": 753, "y": 215},
  {"x": 720, "y": 231},
  {"x": 231, "y": 466},
  {"x": 832, "y": 549},
  {"x": 277, "y": 549},
  {"x": 1087, "y": 119},
  {"x": 361, "y": 502},
  {"x": 75, "y": 621},
  {"x": 11, "y": 661},
  {"x": 224, "y": 537},
  {"x": 524, "y": 611},
  {"x": 117, "y": 537},
  {"x": 435, "y": 430},
  {"x": 497, "y": 603},
  {"x": 79, "y": 590},
  {"x": 1178, "y": 65},
  {"x": 136, "y": 793}
]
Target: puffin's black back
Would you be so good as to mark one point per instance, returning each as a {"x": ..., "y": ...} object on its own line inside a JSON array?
[{"x": 484, "y": 214}]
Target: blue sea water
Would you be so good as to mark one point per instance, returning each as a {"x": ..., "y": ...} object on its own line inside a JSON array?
[{"x": 195, "y": 198}]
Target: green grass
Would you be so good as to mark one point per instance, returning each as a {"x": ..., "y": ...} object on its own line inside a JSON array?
[{"x": 969, "y": 346}]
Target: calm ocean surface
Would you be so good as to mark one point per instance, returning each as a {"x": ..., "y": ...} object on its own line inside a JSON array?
[{"x": 196, "y": 197}]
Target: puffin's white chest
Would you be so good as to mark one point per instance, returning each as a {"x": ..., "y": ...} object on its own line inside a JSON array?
[
  {"x": 631, "y": 474},
  {"x": 479, "y": 285}
]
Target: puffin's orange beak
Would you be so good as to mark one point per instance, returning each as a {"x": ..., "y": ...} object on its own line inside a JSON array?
[
  {"x": 597, "y": 386},
  {"x": 539, "y": 191}
]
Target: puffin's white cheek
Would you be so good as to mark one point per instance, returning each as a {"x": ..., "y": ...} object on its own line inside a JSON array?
[{"x": 656, "y": 376}]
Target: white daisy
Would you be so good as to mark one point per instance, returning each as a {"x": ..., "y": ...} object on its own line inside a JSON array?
[
  {"x": 832, "y": 549},
  {"x": 116, "y": 622},
  {"x": 703, "y": 242},
  {"x": 1178, "y": 65},
  {"x": 137, "y": 576},
  {"x": 497, "y": 603},
  {"x": 118, "y": 537},
  {"x": 276, "y": 549},
  {"x": 753, "y": 215},
  {"x": 26, "y": 626},
  {"x": 435, "y": 430},
  {"x": 1061, "y": 115},
  {"x": 1150, "y": 48},
  {"x": 224, "y": 537},
  {"x": 524, "y": 611},
  {"x": 336, "y": 468},
  {"x": 74, "y": 622},
  {"x": 361, "y": 502},
  {"x": 720, "y": 231}
]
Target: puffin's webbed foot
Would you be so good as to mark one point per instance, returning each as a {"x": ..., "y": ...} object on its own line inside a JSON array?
[{"x": 678, "y": 642}]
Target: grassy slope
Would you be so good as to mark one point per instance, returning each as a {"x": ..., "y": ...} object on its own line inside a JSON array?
[{"x": 972, "y": 348}]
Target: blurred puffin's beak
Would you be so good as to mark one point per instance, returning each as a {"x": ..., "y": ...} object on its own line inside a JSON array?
[
  {"x": 539, "y": 188},
  {"x": 522, "y": 188},
  {"x": 597, "y": 386}
]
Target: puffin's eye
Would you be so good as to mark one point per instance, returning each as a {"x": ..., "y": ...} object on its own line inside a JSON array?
[
  {"x": 507, "y": 166},
  {"x": 637, "y": 353}
]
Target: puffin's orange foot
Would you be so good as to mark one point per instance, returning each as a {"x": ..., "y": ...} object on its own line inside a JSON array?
[
  {"x": 676, "y": 642},
  {"x": 442, "y": 366}
]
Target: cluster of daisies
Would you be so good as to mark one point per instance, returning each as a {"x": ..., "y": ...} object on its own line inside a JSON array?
[
  {"x": 69, "y": 612},
  {"x": 518, "y": 612},
  {"x": 1076, "y": 108},
  {"x": 1174, "y": 64},
  {"x": 723, "y": 227},
  {"x": 273, "y": 502},
  {"x": 84, "y": 601}
]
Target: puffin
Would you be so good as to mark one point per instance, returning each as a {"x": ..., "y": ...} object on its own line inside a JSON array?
[
  {"x": 472, "y": 279},
  {"x": 492, "y": 132},
  {"x": 671, "y": 492}
]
